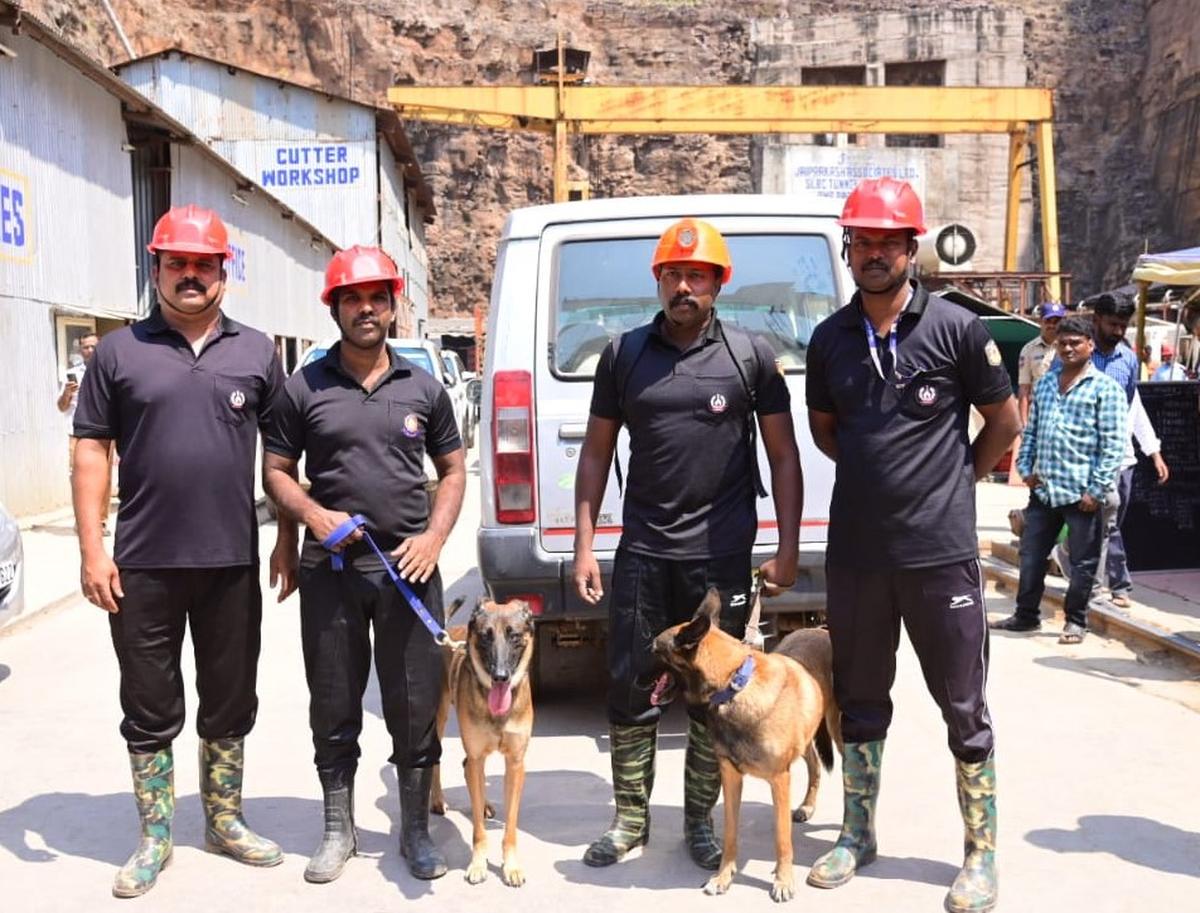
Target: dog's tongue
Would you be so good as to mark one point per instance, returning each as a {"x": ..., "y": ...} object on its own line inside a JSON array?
[
  {"x": 500, "y": 698},
  {"x": 660, "y": 686}
]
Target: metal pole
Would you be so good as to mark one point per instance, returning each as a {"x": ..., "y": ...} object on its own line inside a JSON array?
[
  {"x": 561, "y": 193},
  {"x": 1044, "y": 139},
  {"x": 1016, "y": 148},
  {"x": 112, "y": 17},
  {"x": 1142, "y": 288}
]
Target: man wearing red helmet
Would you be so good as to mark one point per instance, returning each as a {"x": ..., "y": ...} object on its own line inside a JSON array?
[
  {"x": 690, "y": 390},
  {"x": 363, "y": 417},
  {"x": 891, "y": 377},
  {"x": 183, "y": 393}
]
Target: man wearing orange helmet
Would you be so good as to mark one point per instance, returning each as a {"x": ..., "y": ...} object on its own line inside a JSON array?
[
  {"x": 363, "y": 417},
  {"x": 690, "y": 390},
  {"x": 183, "y": 393},
  {"x": 891, "y": 377}
]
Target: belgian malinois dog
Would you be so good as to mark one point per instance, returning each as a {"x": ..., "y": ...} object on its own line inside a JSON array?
[
  {"x": 487, "y": 681},
  {"x": 765, "y": 711}
]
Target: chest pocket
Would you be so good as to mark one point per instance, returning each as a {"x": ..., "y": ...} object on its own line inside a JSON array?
[
  {"x": 406, "y": 427},
  {"x": 717, "y": 399},
  {"x": 235, "y": 399},
  {"x": 929, "y": 394}
]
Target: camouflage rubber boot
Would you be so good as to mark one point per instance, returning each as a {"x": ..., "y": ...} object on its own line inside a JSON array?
[
  {"x": 701, "y": 786},
  {"x": 632, "y": 750},
  {"x": 425, "y": 860},
  {"x": 222, "y": 764},
  {"x": 340, "y": 840},
  {"x": 154, "y": 793},
  {"x": 855, "y": 845},
  {"x": 975, "y": 889}
]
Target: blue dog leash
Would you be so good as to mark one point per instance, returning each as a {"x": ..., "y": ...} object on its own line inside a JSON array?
[{"x": 343, "y": 532}]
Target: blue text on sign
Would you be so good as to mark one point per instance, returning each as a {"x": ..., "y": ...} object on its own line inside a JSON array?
[
  {"x": 311, "y": 166},
  {"x": 12, "y": 216}
]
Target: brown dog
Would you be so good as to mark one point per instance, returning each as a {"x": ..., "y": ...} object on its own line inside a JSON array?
[
  {"x": 765, "y": 712},
  {"x": 487, "y": 680}
]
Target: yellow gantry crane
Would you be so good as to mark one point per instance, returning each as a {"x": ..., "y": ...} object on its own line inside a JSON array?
[{"x": 565, "y": 109}]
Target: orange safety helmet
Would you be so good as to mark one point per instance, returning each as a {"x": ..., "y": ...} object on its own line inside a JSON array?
[
  {"x": 692, "y": 240},
  {"x": 357, "y": 265},
  {"x": 885, "y": 203},
  {"x": 190, "y": 229}
]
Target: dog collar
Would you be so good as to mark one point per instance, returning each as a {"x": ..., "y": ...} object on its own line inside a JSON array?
[{"x": 740, "y": 680}]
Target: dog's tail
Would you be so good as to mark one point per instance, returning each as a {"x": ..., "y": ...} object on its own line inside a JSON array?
[{"x": 824, "y": 746}]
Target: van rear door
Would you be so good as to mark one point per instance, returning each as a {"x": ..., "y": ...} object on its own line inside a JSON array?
[{"x": 594, "y": 282}]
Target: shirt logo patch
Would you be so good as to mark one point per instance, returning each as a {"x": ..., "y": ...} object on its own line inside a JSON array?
[
  {"x": 962, "y": 602},
  {"x": 717, "y": 404},
  {"x": 736, "y": 600},
  {"x": 412, "y": 425},
  {"x": 237, "y": 399},
  {"x": 926, "y": 395},
  {"x": 992, "y": 351}
]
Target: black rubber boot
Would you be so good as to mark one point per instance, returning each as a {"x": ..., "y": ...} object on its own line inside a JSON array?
[
  {"x": 425, "y": 860},
  {"x": 633, "y": 749},
  {"x": 341, "y": 840}
]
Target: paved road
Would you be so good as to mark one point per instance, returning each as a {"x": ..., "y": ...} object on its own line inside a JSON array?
[{"x": 1099, "y": 802}]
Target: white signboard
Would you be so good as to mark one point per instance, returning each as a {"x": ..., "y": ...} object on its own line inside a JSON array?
[{"x": 832, "y": 172}]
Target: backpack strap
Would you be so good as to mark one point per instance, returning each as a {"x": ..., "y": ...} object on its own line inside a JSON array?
[
  {"x": 627, "y": 349},
  {"x": 745, "y": 359}
]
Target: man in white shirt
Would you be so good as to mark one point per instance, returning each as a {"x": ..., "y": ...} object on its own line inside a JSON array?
[{"x": 68, "y": 397}]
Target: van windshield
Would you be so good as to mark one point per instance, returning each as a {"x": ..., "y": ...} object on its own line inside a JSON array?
[{"x": 782, "y": 287}]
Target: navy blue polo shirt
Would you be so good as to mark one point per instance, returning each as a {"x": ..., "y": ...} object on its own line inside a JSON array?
[
  {"x": 186, "y": 429},
  {"x": 690, "y": 490},
  {"x": 364, "y": 449},
  {"x": 904, "y": 488}
]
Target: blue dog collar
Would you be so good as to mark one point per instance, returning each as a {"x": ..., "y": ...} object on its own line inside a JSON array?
[{"x": 740, "y": 680}]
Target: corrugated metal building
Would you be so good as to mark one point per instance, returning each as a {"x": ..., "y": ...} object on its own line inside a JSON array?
[
  {"x": 87, "y": 165},
  {"x": 345, "y": 166}
]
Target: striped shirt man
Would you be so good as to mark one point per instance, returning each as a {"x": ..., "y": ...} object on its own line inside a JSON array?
[{"x": 1074, "y": 441}]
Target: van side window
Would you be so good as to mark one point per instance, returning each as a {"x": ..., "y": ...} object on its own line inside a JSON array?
[{"x": 783, "y": 286}]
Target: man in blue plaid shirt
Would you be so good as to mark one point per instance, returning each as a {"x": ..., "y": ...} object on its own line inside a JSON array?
[{"x": 1070, "y": 453}]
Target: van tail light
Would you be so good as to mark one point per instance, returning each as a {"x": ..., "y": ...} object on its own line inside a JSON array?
[
  {"x": 512, "y": 427},
  {"x": 535, "y": 603}
]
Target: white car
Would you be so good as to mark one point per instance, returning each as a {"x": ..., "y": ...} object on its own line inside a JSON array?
[
  {"x": 12, "y": 571},
  {"x": 456, "y": 383},
  {"x": 570, "y": 277}
]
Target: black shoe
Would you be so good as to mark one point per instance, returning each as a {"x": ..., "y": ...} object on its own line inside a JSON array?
[
  {"x": 425, "y": 860},
  {"x": 340, "y": 841},
  {"x": 1016, "y": 623}
]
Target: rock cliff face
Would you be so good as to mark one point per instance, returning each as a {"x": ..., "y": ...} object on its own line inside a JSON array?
[{"x": 1126, "y": 75}]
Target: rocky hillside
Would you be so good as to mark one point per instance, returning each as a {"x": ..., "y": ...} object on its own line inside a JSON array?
[{"x": 1126, "y": 74}]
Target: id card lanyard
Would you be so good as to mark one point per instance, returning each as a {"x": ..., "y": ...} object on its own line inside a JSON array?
[{"x": 873, "y": 346}]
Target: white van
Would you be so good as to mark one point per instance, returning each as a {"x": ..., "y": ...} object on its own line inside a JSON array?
[{"x": 570, "y": 277}]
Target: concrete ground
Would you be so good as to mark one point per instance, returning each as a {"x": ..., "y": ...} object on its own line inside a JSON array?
[{"x": 1099, "y": 804}]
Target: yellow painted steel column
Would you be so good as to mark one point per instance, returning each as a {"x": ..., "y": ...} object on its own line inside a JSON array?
[
  {"x": 1016, "y": 149},
  {"x": 561, "y": 191},
  {"x": 1047, "y": 190}
]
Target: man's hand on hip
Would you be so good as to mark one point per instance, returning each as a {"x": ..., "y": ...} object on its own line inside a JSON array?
[{"x": 417, "y": 557}]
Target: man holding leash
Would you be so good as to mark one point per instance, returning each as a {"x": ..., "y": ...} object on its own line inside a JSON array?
[
  {"x": 891, "y": 377},
  {"x": 363, "y": 417},
  {"x": 183, "y": 393},
  {"x": 690, "y": 389}
]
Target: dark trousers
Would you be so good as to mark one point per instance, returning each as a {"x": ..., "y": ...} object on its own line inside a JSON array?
[
  {"x": 1084, "y": 535},
  {"x": 650, "y": 595},
  {"x": 223, "y": 607},
  {"x": 1112, "y": 549},
  {"x": 943, "y": 612},
  {"x": 337, "y": 611}
]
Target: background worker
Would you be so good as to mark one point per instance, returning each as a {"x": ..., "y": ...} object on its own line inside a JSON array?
[
  {"x": 890, "y": 379},
  {"x": 183, "y": 393},
  {"x": 363, "y": 417},
  {"x": 1070, "y": 454},
  {"x": 1168, "y": 369},
  {"x": 1114, "y": 357},
  {"x": 68, "y": 400},
  {"x": 1037, "y": 354},
  {"x": 689, "y": 389}
]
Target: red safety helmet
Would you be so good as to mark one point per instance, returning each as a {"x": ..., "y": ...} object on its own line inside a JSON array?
[
  {"x": 357, "y": 265},
  {"x": 696, "y": 241},
  {"x": 885, "y": 203},
  {"x": 190, "y": 229}
]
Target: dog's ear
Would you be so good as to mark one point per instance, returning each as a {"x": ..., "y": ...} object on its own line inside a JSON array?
[
  {"x": 690, "y": 635},
  {"x": 526, "y": 616},
  {"x": 477, "y": 615},
  {"x": 711, "y": 606}
]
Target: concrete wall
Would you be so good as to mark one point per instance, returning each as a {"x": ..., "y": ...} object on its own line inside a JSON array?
[{"x": 965, "y": 180}]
